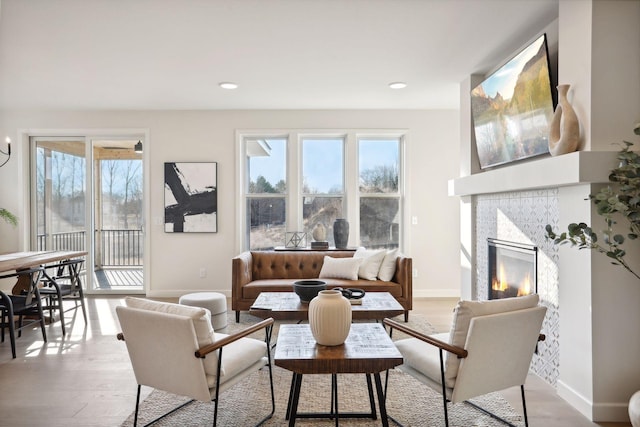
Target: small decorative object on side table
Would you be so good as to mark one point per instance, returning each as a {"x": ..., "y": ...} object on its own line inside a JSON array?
[
  {"x": 295, "y": 239},
  {"x": 320, "y": 237},
  {"x": 341, "y": 232}
]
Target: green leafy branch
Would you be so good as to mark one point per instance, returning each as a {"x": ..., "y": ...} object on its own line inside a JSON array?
[
  {"x": 8, "y": 217},
  {"x": 619, "y": 200}
]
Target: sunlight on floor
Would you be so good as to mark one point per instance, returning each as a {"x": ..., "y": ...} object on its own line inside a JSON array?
[{"x": 107, "y": 322}]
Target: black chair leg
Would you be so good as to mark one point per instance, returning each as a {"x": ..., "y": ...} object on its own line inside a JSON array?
[
  {"x": 135, "y": 416},
  {"x": 524, "y": 406},
  {"x": 237, "y": 316}
]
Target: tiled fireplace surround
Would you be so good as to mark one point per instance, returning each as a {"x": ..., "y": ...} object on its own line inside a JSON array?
[{"x": 521, "y": 216}]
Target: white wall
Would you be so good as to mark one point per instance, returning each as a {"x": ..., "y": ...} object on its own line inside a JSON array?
[{"x": 175, "y": 259}]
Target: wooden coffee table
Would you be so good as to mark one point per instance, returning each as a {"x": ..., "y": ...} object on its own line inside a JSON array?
[
  {"x": 287, "y": 306},
  {"x": 367, "y": 350}
]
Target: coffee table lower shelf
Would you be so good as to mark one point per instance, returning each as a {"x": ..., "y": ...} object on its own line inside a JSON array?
[{"x": 368, "y": 350}]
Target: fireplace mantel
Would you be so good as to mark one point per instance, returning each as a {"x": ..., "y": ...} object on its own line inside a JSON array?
[{"x": 581, "y": 167}]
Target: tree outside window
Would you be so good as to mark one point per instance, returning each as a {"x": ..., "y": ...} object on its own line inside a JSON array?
[{"x": 379, "y": 163}]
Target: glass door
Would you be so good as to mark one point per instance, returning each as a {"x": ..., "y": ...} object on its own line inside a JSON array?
[
  {"x": 87, "y": 195},
  {"x": 118, "y": 215}
]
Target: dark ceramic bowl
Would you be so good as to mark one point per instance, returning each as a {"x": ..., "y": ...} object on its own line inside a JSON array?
[{"x": 308, "y": 289}]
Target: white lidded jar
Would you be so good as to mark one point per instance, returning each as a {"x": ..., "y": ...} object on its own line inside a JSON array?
[{"x": 330, "y": 317}]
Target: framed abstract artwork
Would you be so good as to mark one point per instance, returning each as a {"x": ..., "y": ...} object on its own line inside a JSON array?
[{"x": 191, "y": 197}]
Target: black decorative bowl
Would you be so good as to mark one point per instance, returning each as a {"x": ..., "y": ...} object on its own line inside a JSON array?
[{"x": 308, "y": 289}]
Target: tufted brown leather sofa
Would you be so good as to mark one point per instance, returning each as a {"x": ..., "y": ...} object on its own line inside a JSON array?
[{"x": 275, "y": 271}]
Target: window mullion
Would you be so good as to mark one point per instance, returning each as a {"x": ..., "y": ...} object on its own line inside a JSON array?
[
  {"x": 352, "y": 211},
  {"x": 294, "y": 190}
]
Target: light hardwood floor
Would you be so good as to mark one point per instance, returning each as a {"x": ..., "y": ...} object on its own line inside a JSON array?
[{"x": 85, "y": 379}]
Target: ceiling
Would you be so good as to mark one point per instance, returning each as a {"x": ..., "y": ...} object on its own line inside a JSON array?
[{"x": 283, "y": 54}]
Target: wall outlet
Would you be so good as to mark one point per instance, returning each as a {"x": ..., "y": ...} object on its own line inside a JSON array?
[
  {"x": 203, "y": 273},
  {"x": 415, "y": 272}
]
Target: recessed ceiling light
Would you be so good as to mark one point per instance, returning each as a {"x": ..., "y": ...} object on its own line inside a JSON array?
[
  {"x": 228, "y": 85},
  {"x": 397, "y": 85}
]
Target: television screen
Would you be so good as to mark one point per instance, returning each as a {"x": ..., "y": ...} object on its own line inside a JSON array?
[{"x": 513, "y": 107}]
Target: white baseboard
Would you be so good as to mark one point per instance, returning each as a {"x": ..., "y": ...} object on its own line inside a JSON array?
[
  {"x": 173, "y": 293},
  {"x": 615, "y": 412},
  {"x": 436, "y": 293}
]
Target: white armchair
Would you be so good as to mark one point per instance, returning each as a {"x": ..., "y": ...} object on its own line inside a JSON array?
[
  {"x": 174, "y": 348},
  {"x": 489, "y": 349}
]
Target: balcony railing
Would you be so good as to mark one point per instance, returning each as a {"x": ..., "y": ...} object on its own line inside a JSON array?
[{"x": 115, "y": 248}]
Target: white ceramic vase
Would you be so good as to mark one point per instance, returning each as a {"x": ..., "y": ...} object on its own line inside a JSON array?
[
  {"x": 319, "y": 232},
  {"x": 330, "y": 317},
  {"x": 564, "y": 131},
  {"x": 634, "y": 409}
]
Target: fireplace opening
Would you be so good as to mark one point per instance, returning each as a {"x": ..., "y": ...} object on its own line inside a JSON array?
[{"x": 512, "y": 269}]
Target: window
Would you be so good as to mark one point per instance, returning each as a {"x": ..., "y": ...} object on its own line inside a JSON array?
[
  {"x": 293, "y": 182},
  {"x": 266, "y": 188},
  {"x": 380, "y": 216},
  {"x": 322, "y": 183}
]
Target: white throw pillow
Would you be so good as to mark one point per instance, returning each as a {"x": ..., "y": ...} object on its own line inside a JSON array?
[
  {"x": 340, "y": 268},
  {"x": 388, "y": 265},
  {"x": 371, "y": 260},
  {"x": 201, "y": 323}
]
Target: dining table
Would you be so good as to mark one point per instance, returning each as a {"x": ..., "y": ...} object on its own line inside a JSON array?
[{"x": 17, "y": 261}]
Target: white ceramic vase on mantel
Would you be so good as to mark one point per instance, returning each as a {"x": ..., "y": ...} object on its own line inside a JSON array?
[
  {"x": 634, "y": 409},
  {"x": 330, "y": 317},
  {"x": 564, "y": 130}
]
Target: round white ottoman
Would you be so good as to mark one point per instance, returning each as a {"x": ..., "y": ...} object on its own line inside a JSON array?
[{"x": 214, "y": 301}]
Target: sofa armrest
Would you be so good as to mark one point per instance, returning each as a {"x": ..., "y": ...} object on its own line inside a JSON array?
[
  {"x": 404, "y": 277},
  {"x": 241, "y": 273}
]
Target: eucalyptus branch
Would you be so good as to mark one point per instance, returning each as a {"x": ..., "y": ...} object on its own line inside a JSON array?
[
  {"x": 583, "y": 237},
  {"x": 8, "y": 217},
  {"x": 620, "y": 200}
]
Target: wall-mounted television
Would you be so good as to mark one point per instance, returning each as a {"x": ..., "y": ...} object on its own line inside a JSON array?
[{"x": 513, "y": 107}]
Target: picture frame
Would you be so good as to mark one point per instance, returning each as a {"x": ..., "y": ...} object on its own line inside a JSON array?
[{"x": 191, "y": 197}]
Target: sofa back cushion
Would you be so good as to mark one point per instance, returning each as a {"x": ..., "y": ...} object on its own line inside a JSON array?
[
  {"x": 290, "y": 264},
  {"x": 467, "y": 310}
]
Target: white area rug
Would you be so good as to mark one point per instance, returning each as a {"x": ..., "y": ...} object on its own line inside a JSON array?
[{"x": 409, "y": 401}]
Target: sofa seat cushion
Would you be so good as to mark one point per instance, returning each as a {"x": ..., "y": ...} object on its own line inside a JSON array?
[
  {"x": 422, "y": 357},
  {"x": 237, "y": 356},
  {"x": 252, "y": 290}
]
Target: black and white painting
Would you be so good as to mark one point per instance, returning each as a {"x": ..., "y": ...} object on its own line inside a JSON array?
[{"x": 191, "y": 197}]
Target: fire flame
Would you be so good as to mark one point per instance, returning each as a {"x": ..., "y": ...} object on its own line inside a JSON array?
[
  {"x": 500, "y": 283},
  {"x": 525, "y": 288}
]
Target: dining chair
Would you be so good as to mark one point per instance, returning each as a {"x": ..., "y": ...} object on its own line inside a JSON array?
[
  {"x": 64, "y": 285},
  {"x": 27, "y": 304}
]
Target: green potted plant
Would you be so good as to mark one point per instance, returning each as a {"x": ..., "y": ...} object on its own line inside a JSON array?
[{"x": 619, "y": 201}]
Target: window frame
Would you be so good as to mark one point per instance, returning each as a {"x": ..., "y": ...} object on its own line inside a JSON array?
[{"x": 294, "y": 196}]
